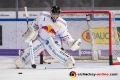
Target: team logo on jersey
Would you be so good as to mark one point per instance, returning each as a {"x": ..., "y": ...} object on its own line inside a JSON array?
[
  {"x": 72, "y": 74},
  {"x": 49, "y": 29}
]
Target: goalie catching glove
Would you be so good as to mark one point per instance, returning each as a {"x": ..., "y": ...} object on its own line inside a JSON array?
[
  {"x": 74, "y": 44},
  {"x": 29, "y": 35}
]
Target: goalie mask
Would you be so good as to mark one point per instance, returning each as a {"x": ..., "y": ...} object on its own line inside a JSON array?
[{"x": 55, "y": 11}]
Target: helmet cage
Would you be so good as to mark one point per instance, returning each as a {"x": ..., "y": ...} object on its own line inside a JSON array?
[{"x": 55, "y": 10}]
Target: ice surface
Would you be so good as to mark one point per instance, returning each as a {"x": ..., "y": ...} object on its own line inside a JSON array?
[{"x": 55, "y": 71}]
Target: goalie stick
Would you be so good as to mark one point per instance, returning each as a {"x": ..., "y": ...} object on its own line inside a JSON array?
[
  {"x": 30, "y": 44},
  {"x": 31, "y": 48}
]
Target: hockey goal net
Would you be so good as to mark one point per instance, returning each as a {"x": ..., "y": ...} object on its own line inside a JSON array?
[{"x": 99, "y": 33}]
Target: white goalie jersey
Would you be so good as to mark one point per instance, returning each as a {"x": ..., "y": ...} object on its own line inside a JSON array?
[{"x": 46, "y": 28}]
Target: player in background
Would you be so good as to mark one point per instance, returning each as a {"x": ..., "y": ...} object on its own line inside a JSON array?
[{"x": 50, "y": 24}]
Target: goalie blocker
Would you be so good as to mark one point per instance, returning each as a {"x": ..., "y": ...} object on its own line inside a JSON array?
[{"x": 55, "y": 51}]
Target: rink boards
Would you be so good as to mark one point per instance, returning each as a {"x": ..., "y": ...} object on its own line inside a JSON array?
[{"x": 13, "y": 28}]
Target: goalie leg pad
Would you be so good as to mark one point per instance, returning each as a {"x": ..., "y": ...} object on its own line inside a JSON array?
[
  {"x": 25, "y": 57},
  {"x": 69, "y": 63},
  {"x": 58, "y": 53},
  {"x": 19, "y": 62}
]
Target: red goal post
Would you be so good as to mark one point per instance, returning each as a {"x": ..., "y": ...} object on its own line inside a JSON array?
[{"x": 110, "y": 23}]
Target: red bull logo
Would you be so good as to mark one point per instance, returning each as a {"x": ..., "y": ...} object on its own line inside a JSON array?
[{"x": 49, "y": 29}]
